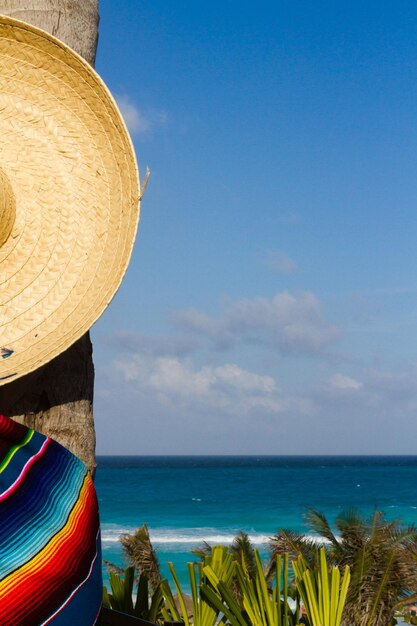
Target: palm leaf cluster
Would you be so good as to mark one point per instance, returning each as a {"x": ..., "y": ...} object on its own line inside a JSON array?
[
  {"x": 381, "y": 554},
  {"x": 361, "y": 572},
  {"x": 241, "y": 551},
  {"x": 228, "y": 585}
]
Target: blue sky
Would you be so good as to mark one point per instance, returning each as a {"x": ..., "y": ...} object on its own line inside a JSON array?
[{"x": 271, "y": 301}]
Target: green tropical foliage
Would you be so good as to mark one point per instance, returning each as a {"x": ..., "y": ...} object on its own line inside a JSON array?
[
  {"x": 243, "y": 551},
  {"x": 323, "y": 593},
  {"x": 216, "y": 569},
  {"x": 231, "y": 587},
  {"x": 141, "y": 555},
  {"x": 260, "y": 605},
  {"x": 121, "y": 596},
  {"x": 381, "y": 555}
]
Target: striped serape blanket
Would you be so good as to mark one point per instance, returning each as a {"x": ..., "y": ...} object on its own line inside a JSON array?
[{"x": 50, "y": 560}]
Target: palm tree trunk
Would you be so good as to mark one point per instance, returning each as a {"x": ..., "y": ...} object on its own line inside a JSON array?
[{"x": 57, "y": 400}]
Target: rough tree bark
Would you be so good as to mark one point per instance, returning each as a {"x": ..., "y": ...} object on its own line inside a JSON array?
[{"x": 57, "y": 400}]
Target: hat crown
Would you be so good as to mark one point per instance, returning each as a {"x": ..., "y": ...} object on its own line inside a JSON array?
[{"x": 7, "y": 208}]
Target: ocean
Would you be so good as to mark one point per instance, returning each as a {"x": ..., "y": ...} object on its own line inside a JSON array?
[{"x": 188, "y": 500}]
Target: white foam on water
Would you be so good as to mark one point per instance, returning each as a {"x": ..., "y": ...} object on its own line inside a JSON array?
[
  {"x": 196, "y": 538},
  {"x": 188, "y": 537},
  {"x": 110, "y": 533}
]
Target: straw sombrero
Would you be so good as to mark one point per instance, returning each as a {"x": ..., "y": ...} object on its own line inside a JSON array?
[{"x": 69, "y": 198}]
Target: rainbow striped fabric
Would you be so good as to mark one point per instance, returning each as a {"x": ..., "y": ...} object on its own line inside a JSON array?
[{"x": 50, "y": 559}]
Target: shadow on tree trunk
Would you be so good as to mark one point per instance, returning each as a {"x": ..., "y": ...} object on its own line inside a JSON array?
[{"x": 57, "y": 400}]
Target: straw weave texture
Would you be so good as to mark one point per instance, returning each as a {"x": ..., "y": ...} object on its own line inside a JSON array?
[{"x": 69, "y": 198}]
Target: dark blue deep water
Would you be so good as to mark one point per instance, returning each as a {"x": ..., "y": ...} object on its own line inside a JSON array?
[{"x": 187, "y": 500}]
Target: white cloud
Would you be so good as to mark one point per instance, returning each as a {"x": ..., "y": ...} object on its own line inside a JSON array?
[
  {"x": 402, "y": 382},
  {"x": 232, "y": 375},
  {"x": 227, "y": 387},
  {"x": 291, "y": 324},
  {"x": 280, "y": 262},
  {"x": 136, "y": 119},
  {"x": 339, "y": 381},
  {"x": 206, "y": 404},
  {"x": 377, "y": 396},
  {"x": 171, "y": 404}
]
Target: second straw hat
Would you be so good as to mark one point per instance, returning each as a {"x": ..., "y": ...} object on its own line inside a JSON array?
[{"x": 69, "y": 198}]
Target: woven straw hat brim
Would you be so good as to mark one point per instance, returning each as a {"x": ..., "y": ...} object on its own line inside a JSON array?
[{"x": 69, "y": 198}]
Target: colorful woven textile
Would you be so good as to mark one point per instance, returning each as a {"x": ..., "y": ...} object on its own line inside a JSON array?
[{"x": 50, "y": 561}]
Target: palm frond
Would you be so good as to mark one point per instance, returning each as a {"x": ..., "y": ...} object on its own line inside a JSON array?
[
  {"x": 293, "y": 543},
  {"x": 203, "y": 550},
  {"x": 243, "y": 551},
  {"x": 141, "y": 554},
  {"x": 112, "y": 567},
  {"x": 317, "y": 523}
]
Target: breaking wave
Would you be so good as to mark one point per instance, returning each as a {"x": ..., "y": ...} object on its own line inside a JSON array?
[{"x": 110, "y": 533}]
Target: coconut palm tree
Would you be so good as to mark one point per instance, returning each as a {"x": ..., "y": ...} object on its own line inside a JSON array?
[
  {"x": 57, "y": 400},
  {"x": 381, "y": 554}
]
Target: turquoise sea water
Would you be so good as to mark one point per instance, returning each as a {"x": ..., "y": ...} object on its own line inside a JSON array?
[{"x": 188, "y": 500}]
